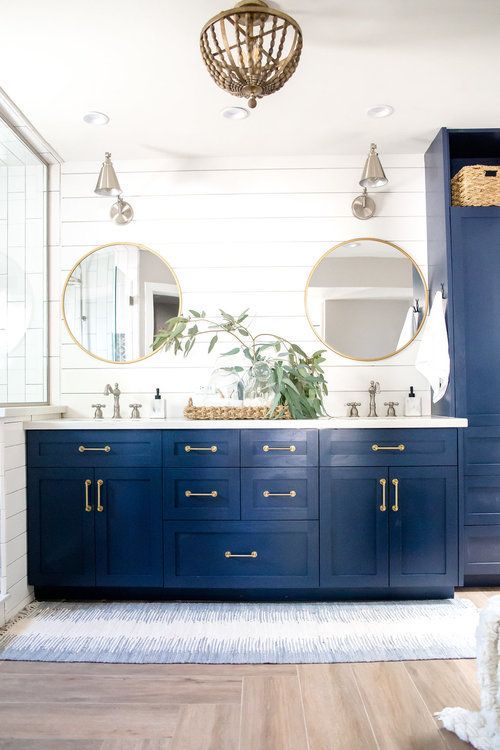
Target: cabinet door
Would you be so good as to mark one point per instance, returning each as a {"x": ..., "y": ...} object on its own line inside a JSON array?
[
  {"x": 353, "y": 527},
  {"x": 61, "y": 549},
  {"x": 129, "y": 546},
  {"x": 423, "y": 526},
  {"x": 476, "y": 270}
]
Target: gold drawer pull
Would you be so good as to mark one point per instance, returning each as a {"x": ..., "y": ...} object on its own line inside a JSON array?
[
  {"x": 188, "y": 493},
  {"x": 290, "y": 448},
  {"x": 383, "y": 483},
  {"x": 395, "y": 483},
  {"x": 88, "y": 484},
  {"x": 100, "y": 507},
  {"x": 229, "y": 554},
  {"x": 399, "y": 447},
  {"x": 292, "y": 493},
  {"x": 190, "y": 448},
  {"x": 106, "y": 449}
]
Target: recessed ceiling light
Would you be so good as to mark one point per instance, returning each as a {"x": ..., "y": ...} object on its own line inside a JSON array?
[
  {"x": 95, "y": 118},
  {"x": 353, "y": 244},
  {"x": 380, "y": 110},
  {"x": 235, "y": 113}
]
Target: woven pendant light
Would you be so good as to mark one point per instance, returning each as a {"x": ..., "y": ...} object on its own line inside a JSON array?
[{"x": 251, "y": 50}]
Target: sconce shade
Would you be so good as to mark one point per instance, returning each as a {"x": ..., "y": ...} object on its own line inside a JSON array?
[
  {"x": 107, "y": 184},
  {"x": 373, "y": 174}
]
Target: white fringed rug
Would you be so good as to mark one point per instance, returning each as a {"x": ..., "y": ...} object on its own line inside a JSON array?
[{"x": 227, "y": 633}]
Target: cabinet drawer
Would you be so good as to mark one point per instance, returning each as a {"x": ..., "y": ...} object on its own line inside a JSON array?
[
  {"x": 276, "y": 493},
  {"x": 201, "y": 493},
  {"x": 392, "y": 447},
  {"x": 207, "y": 448},
  {"x": 279, "y": 447},
  {"x": 241, "y": 554},
  {"x": 481, "y": 550},
  {"x": 482, "y": 500},
  {"x": 94, "y": 448},
  {"x": 482, "y": 450}
]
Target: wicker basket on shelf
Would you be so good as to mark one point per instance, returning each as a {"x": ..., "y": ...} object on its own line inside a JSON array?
[
  {"x": 234, "y": 412},
  {"x": 478, "y": 185}
]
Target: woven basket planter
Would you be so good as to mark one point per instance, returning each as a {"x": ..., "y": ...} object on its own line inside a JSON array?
[
  {"x": 234, "y": 412},
  {"x": 478, "y": 185}
]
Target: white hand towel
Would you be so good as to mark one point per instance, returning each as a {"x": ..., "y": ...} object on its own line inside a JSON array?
[
  {"x": 408, "y": 329},
  {"x": 433, "y": 358}
]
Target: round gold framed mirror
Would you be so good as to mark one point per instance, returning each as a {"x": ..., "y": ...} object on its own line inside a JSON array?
[
  {"x": 116, "y": 298},
  {"x": 366, "y": 299}
]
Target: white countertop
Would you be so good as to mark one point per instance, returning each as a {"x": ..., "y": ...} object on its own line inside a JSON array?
[{"x": 339, "y": 423}]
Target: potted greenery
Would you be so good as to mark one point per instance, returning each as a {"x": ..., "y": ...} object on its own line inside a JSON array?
[{"x": 298, "y": 380}]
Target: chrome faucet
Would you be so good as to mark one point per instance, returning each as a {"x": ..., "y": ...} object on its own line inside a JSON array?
[
  {"x": 373, "y": 390},
  {"x": 115, "y": 392}
]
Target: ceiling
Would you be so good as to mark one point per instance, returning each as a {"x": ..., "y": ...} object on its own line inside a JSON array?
[{"x": 435, "y": 61}]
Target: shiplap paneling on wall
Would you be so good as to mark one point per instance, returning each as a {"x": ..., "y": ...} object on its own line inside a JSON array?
[{"x": 239, "y": 233}]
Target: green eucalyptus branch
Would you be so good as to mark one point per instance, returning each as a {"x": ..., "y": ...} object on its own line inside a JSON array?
[{"x": 298, "y": 379}]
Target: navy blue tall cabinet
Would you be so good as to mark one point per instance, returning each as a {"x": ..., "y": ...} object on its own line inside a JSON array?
[{"x": 464, "y": 256}]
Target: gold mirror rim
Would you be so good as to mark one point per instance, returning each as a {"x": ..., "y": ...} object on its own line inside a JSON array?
[
  {"x": 65, "y": 286},
  {"x": 414, "y": 264}
]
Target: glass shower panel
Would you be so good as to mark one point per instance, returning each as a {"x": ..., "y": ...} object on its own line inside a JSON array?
[{"x": 23, "y": 272}]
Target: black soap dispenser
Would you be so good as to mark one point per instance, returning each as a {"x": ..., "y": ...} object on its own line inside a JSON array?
[
  {"x": 413, "y": 404},
  {"x": 157, "y": 406}
]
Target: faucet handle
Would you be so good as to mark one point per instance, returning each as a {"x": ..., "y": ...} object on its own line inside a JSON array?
[
  {"x": 135, "y": 411},
  {"x": 353, "y": 412},
  {"x": 98, "y": 410},
  {"x": 391, "y": 411}
]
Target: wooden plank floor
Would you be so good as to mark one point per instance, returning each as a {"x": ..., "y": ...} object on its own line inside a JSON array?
[{"x": 371, "y": 706}]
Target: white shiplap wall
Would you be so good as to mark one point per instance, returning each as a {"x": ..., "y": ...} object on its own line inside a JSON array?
[{"x": 239, "y": 233}]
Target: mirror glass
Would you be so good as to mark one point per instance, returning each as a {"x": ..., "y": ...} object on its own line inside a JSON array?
[
  {"x": 117, "y": 298},
  {"x": 366, "y": 299}
]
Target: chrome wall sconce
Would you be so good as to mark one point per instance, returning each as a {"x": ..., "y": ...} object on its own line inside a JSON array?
[
  {"x": 373, "y": 176},
  {"x": 107, "y": 184}
]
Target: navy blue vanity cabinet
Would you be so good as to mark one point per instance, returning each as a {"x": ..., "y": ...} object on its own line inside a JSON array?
[
  {"x": 464, "y": 255},
  {"x": 393, "y": 524},
  {"x": 93, "y": 526},
  {"x": 228, "y": 513}
]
